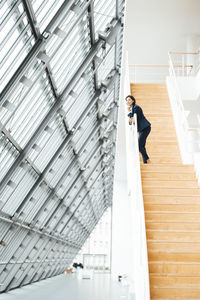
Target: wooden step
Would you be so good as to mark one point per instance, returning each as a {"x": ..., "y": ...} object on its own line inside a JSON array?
[
  {"x": 162, "y": 160},
  {"x": 166, "y": 135},
  {"x": 154, "y": 137},
  {"x": 169, "y": 183},
  {"x": 166, "y": 199},
  {"x": 179, "y": 168},
  {"x": 171, "y": 191},
  {"x": 165, "y": 120},
  {"x": 188, "y": 293},
  {"x": 178, "y": 268},
  {"x": 151, "y": 115},
  {"x": 154, "y": 149},
  {"x": 148, "y": 108},
  {"x": 172, "y": 217},
  {"x": 157, "y": 152},
  {"x": 174, "y": 256},
  {"x": 158, "y": 110},
  {"x": 147, "y": 86},
  {"x": 173, "y": 226},
  {"x": 158, "y": 131},
  {"x": 173, "y": 247},
  {"x": 160, "y": 281},
  {"x": 163, "y": 144},
  {"x": 185, "y": 177},
  {"x": 173, "y": 236},
  {"x": 172, "y": 207}
]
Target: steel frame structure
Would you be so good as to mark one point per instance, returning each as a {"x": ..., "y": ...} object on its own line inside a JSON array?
[{"x": 59, "y": 85}]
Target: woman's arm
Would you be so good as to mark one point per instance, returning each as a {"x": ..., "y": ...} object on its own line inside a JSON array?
[{"x": 131, "y": 114}]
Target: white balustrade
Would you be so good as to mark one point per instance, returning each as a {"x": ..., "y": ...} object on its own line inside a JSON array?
[
  {"x": 141, "y": 272},
  {"x": 188, "y": 136}
]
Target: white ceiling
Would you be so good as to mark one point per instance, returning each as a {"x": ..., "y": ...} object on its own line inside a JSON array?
[{"x": 154, "y": 27}]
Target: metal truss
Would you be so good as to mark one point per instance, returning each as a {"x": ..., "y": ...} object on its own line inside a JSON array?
[{"x": 59, "y": 98}]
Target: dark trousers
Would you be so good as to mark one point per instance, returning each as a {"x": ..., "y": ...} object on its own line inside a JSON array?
[{"x": 142, "y": 142}]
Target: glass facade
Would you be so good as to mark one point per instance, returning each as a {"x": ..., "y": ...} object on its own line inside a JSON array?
[{"x": 59, "y": 84}]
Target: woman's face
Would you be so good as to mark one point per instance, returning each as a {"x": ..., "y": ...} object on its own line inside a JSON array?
[{"x": 129, "y": 101}]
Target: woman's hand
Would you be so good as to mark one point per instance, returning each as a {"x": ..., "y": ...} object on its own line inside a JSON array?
[{"x": 131, "y": 121}]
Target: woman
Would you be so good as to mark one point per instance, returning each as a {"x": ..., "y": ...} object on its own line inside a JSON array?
[{"x": 144, "y": 126}]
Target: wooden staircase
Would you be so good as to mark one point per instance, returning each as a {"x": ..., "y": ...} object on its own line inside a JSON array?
[{"x": 172, "y": 203}]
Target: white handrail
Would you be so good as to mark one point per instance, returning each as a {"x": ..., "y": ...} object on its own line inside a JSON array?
[
  {"x": 141, "y": 270},
  {"x": 142, "y": 291}
]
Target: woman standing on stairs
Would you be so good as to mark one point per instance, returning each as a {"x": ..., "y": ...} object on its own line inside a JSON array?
[{"x": 144, "y": 126}]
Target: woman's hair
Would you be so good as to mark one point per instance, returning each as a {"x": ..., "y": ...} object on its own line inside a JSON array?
[{"x": 129, "y": 96}]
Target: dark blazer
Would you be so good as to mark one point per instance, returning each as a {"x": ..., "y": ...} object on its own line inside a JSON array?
[{"x": 142, "y": 122}]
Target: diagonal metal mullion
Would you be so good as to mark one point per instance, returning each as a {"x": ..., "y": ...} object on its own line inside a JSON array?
[
  {"x": 32, "y": 20},
  {"x": 71, "y": 185},
  {"x": 61, "y": 200},
  {"x": 55, "y": 107},
  {"x": 36, "y": 270},
  {"x": 31, "y": 17},
  {"x": 82, "y": 225},
  {"x": 68, "y": 138},
  {"x": 40, "y": 43},
  {"x": 80, "y": 203},
  {"x": 21, "y": 263},
  {"x": 92, "y": 37},
  {"x": 49, "y": 116},
  {"x": 79, "y": 222},
  {"x": 32, "y": 229},
  {"x": 79, "y": 191},
  {"x": 41, "y": 175},
  {"x": 82, "y": 186},
  {"x": 36, "y": 240}
]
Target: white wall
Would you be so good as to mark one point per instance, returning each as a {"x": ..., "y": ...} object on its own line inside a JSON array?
[{"x": 154, "y": 27}]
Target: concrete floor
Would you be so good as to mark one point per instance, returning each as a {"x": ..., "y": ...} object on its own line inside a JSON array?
[{"x": 70, "y": 287}]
